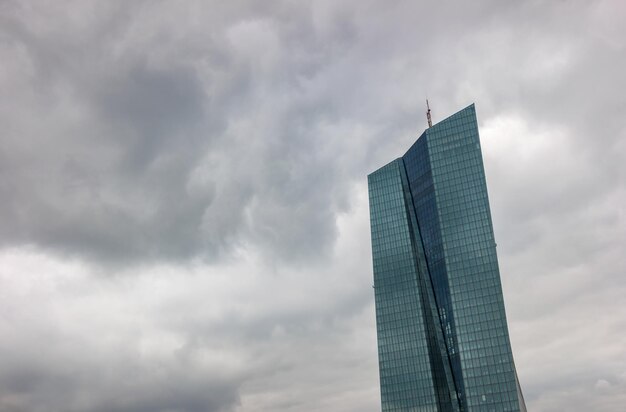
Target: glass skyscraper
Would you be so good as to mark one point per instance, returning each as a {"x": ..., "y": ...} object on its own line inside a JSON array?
[{"x": 443, "y": 342}]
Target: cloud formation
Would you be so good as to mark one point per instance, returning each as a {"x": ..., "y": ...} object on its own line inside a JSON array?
[{"x": 184, "y": 227}]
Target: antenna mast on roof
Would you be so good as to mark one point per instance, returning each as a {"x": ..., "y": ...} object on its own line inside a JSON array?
[{"x": 430, "y": 120}]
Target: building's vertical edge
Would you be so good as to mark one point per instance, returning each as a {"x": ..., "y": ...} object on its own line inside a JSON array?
[
  {"x": 419, "y": 173},
  {"x": 520, "y": 395},
  {"x": 474, "y": 121},
  {"x": 405, "y": 370},
  {"x": 445, "y": 386}
]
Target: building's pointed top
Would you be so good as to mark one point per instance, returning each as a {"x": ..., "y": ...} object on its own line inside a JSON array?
[{"x": 430, "y": 120}]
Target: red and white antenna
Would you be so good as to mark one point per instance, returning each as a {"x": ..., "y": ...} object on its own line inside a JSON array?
[{"x": 430, "y": 120}]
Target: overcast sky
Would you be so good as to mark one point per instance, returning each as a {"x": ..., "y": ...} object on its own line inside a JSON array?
[{"x": 183, "y": 204}]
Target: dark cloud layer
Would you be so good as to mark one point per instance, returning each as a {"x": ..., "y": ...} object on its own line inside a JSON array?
[
  {"x": 148, "y": 142},
  {"x": 184, "y": 217}
]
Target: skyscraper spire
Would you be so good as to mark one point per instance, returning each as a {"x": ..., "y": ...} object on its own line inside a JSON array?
[{"x": 430, "y": 120}]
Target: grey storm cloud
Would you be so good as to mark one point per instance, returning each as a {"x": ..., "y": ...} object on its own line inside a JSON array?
[
  {"x": 183, "y": 214},
  {"x": 169, "y": 149}
]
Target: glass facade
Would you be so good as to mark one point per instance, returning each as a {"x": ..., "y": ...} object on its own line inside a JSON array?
[{"x": 443, "y": 342}]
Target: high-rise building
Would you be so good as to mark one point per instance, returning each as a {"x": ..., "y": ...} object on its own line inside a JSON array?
[{"x": 443, "y": 342}]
